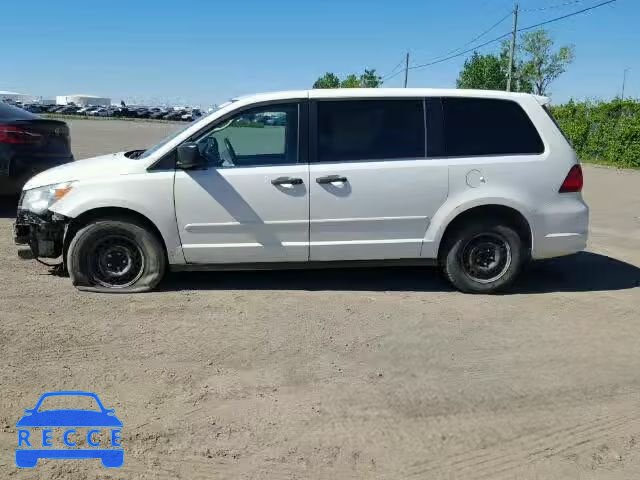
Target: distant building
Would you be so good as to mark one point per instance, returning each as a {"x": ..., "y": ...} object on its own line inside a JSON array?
[
  {"x": 16, "y": 97},
  {"x": 83, "y": 100}
]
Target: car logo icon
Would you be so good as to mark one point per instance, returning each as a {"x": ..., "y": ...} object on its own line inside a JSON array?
[{"x": 68, "y": 418}]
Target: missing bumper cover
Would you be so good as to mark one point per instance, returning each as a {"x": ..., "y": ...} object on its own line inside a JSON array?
[{"x": 43, "y": 233}]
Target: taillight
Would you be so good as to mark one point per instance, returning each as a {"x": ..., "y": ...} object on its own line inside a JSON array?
[
  {"x": 16, "y": 135},
  {"x": 574, "y": 181}
]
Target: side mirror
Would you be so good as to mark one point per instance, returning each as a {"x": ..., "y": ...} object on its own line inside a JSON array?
[{"x": 189, "y": 157}]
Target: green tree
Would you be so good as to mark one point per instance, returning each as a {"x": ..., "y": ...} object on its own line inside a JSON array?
[
  {"x": 520, "y": 81},
  {"x": 542, "y": 65},
  {"x": 489, "y": 72},
  {"x": 485, "y": 72},
  {"x": 369, "y": 79},
  {"x": 328, "y": 80},
  {"x": 351, "y": 81}
]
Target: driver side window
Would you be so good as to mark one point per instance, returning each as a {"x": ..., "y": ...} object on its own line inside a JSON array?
[{"x": 257, "y": 137}]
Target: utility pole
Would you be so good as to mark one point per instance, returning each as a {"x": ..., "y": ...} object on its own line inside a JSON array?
[
  {"x": 512, "y": 50},
  {"x": 406, "y": 70},
  {"x": 624, "y": 81}
]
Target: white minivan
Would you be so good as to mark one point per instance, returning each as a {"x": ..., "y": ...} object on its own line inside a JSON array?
[{"x": 477, "y": 182}]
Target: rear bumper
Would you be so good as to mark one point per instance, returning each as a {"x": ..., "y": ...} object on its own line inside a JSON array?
[
  {"x": 559, "y": 244},
  {"x": 39, "y": 235},
  {"x": 562, "y": 229}
]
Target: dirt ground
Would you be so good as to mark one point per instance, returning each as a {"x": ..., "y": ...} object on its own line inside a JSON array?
[{"x": 384, "y": 373}]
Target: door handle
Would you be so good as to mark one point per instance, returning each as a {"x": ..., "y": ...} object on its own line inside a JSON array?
[
  {"x": 286, "y": 181},
  {"x": 331, "y": 179}
]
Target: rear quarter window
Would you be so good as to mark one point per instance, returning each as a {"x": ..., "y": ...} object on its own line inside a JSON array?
[
  {"x": 555, "y": 122},
  {"x": 484, "y": 126}
]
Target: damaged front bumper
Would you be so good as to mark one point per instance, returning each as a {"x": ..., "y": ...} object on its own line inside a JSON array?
[{"x": 39, "y": 235}]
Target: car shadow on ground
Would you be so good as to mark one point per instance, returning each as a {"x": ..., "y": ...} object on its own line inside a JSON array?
[
  {"x": 8, "y": 206},
  {"x": 331, "y": 279},
  {"x": 583, "y": 272}
]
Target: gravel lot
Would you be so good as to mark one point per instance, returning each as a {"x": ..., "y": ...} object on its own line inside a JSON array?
[{"x": 382, "y": 373}]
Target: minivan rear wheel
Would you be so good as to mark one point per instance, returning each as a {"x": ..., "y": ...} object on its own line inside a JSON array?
[
  {"x": 115, "y": 256},
  {"x": 482, "y": 257}
]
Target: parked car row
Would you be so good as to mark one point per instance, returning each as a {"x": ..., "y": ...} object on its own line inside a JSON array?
[{"x": 159, "y": 113}]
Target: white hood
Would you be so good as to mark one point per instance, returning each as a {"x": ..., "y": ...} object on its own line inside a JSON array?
[{"x": 103, "y": 166}]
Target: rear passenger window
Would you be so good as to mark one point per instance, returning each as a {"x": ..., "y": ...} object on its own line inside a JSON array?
[
  {"x": 370, "y": 130},
  {"x": 482, "y": 126}
]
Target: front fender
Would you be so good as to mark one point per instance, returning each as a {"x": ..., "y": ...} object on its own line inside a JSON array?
[{"x": 148, "y": 194}]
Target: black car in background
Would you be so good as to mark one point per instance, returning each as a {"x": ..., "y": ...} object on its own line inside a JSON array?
[
  {"x": 28, "y": 145},
  {"x": 68, "y": 109},
  {"x": 34, "y": 108},
  {"x": 174, "y": 115},
  {"x": 159, "y": 114}
]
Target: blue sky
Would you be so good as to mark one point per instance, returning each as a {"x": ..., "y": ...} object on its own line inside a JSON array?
[{"x": 203, "y": 52}]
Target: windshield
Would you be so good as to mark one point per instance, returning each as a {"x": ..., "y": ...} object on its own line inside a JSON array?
[
  {"x": 155, "y": 148},
  {"x": 65, "y": 402}
]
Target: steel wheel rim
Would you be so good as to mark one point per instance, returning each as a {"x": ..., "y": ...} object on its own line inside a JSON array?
[
  {"x": 116, "y": 261},
  {"x": 486, "y": 257}
]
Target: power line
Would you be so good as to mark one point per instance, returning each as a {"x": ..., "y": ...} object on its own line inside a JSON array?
[
  {"x": 567, "y": 15},
  {"x": 391, "y": 72},
  {"x": 551, "y": 7},
  {"x": 477, "y": 37},
  {"x": 413, "y": 67},
  {"x": 428, "y": 64},
  {"x": 389, "y": 77},
  {"x": 394, "y": 75}
]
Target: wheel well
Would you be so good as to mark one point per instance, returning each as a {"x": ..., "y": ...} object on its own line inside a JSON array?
[
  {"x": 113, "y": 213},
  {"x": 507, "y": 215}
]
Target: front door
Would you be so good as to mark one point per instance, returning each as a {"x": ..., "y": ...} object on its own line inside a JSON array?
[
  {"x": 373, "y": 191},
  {"x": 252, "y": 203}
]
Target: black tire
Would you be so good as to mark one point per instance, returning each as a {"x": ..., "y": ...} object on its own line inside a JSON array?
[
  {"x": 482, "y": 257},
  {"x": 115, "y": 256}
]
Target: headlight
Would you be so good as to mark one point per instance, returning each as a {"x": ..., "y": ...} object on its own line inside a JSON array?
[{"x": 38, "y": 200}]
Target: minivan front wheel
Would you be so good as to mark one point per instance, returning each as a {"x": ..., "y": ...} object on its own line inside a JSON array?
[
  {"x": 483, "y": 257},
  {"x": 115, "y": 256}
]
